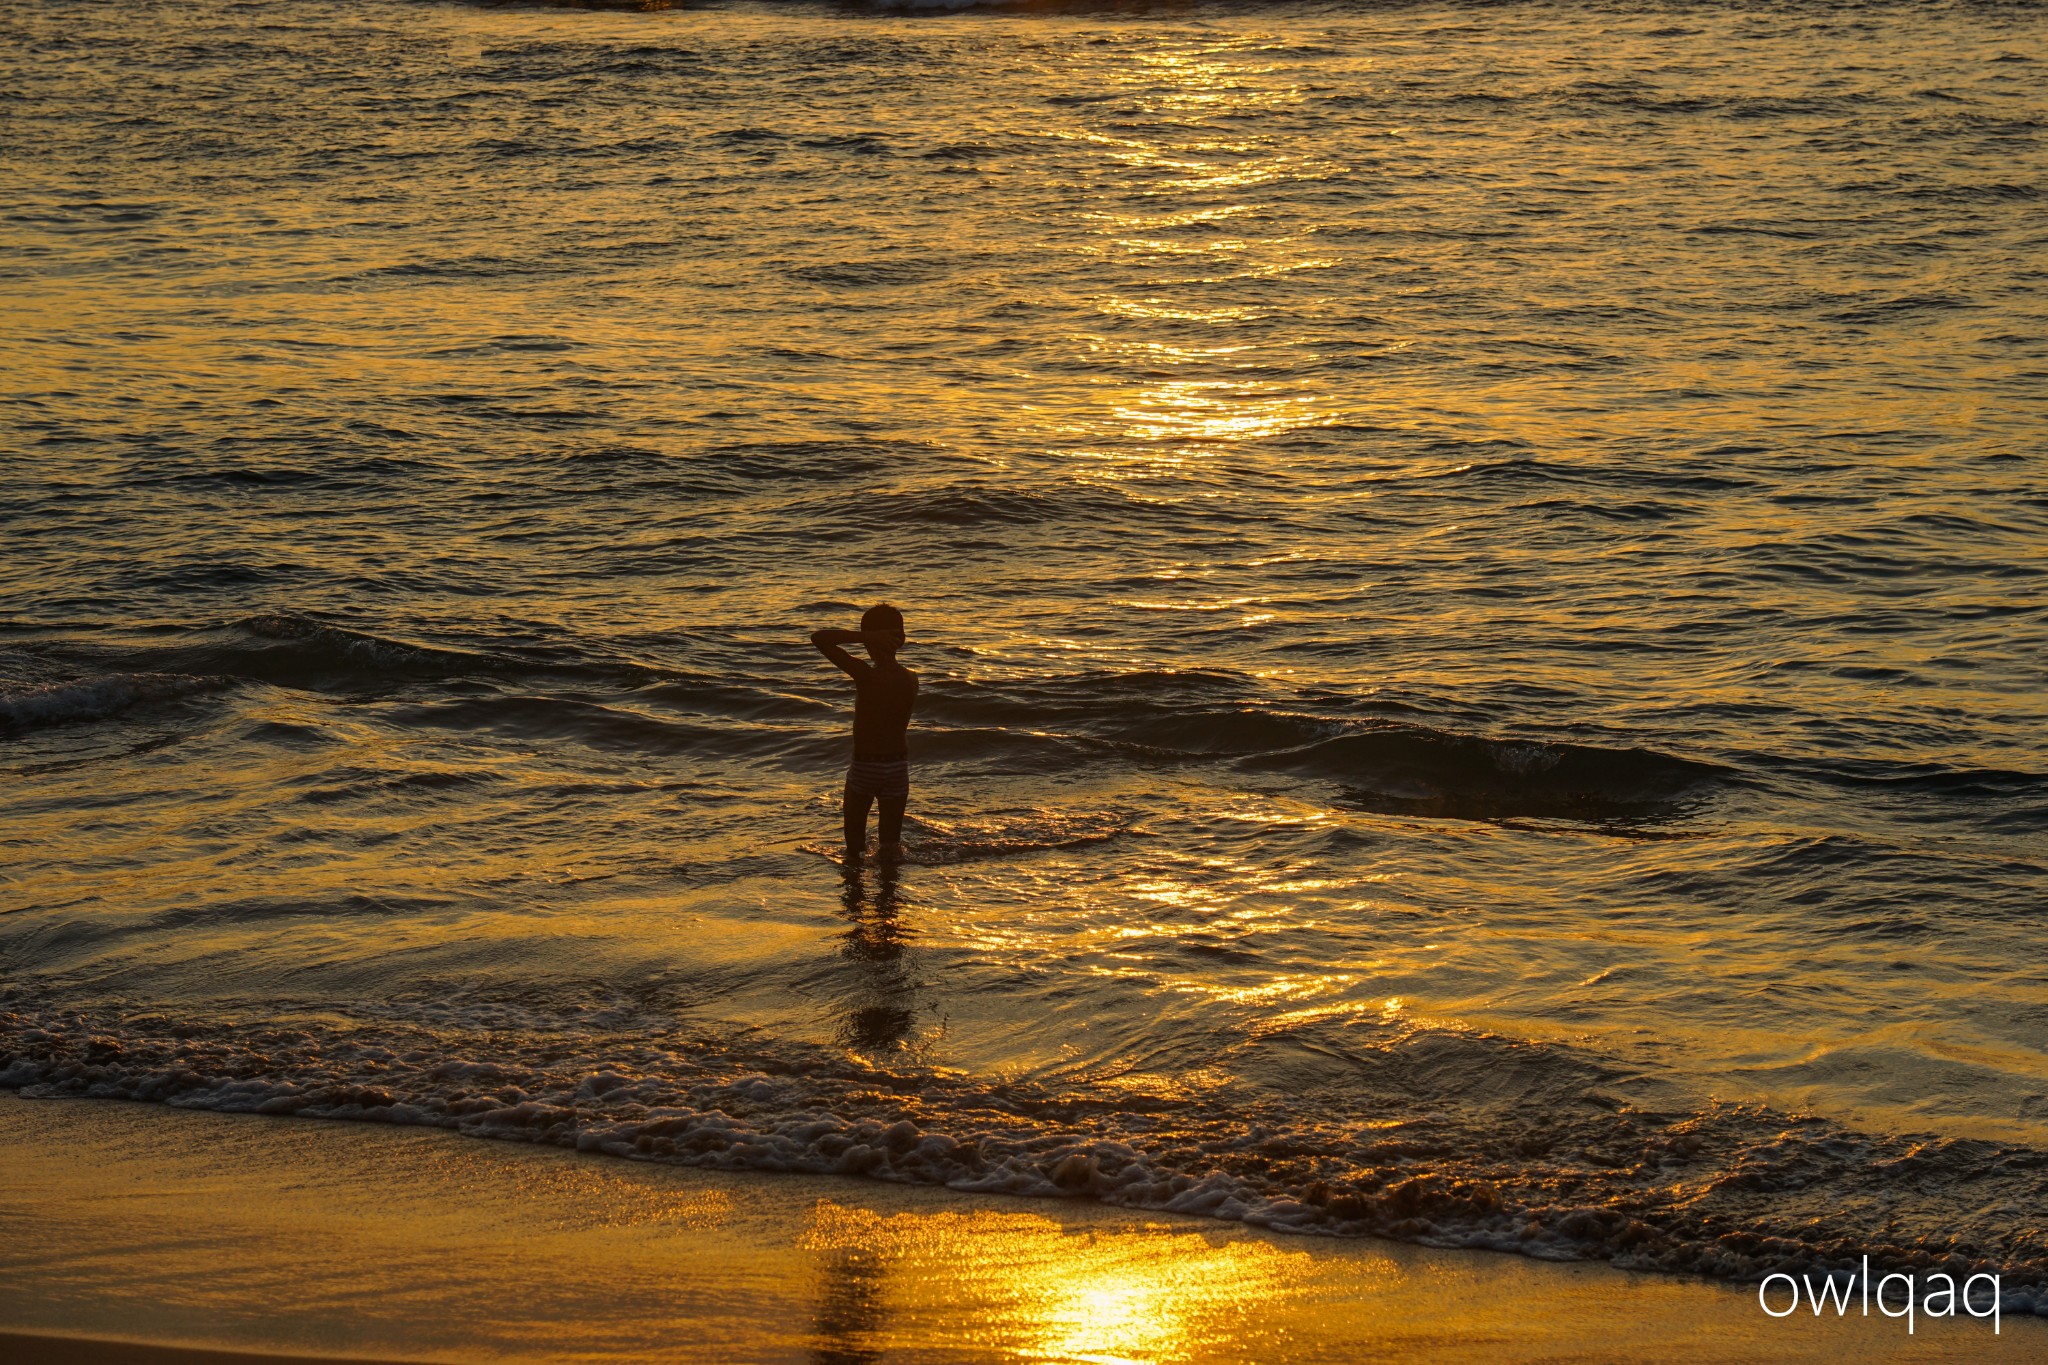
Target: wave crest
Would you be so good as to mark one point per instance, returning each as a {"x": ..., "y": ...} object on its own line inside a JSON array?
[
  {"x": 1415, "y": 770},
  {"x": 98, "y": 697}
]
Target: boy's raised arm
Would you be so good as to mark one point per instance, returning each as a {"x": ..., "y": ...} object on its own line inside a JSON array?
[{"x": 829, "y": 644}]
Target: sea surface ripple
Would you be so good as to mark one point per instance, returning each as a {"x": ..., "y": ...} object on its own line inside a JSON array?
[{"x": 1478, "y": 572}]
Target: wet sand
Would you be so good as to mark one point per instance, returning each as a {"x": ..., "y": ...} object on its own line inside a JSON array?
[{"x": 130, "y": 1229}]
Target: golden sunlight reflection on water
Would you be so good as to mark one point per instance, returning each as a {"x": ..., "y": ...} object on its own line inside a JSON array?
[
  {"x": 1275, "y": 491},
  {"x": 1175, "y": 400},
  {"x": 1050, "y": 1294},
  {"x": 436, "y": 1248}
]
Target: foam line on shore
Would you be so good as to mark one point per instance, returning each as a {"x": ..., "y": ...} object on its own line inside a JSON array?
[{"x": 332, "y": 1240}]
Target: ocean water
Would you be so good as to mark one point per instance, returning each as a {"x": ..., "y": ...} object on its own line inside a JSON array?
[{"x": 1478, "y": 575}]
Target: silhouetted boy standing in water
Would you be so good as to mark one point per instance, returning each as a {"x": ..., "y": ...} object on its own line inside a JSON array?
[{"x": 884, "y": 692}]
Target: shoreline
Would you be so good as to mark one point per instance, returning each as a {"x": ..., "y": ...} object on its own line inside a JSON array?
[{"x": 139, "y": 1233}]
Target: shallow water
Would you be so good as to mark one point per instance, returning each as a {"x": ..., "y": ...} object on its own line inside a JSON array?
[{"x": 1477, "y": 574}]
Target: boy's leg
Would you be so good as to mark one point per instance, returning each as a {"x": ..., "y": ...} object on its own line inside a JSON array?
[
  {"x": 892, "y": 821},
  {"x": 854, "y": 815}
]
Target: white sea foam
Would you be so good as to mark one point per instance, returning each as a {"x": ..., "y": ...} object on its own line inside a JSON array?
[{"x": 1703, "y": 1192}]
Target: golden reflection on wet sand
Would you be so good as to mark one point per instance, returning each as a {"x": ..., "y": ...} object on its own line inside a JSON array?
[
  {"x": 149, "y": 1224},
  {"x": 1112, "y": 1297}
]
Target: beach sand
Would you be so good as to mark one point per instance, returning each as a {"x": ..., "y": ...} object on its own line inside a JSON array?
[{"x": 141, "y": 1233}]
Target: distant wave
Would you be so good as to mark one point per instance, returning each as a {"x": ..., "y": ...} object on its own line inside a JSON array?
[
  {"x": 1925, "y": 778},
  {"x": 295, "y": 651},
  {"x": 1395, "y": 766},
  {"x": 1377, "y": 752},
  {"x": 312, "y": 649},
  {"x": 1381, "y": 754},
  {"x": 1422, "y": 1134},
  {"x": 1417, "y": 770},
  {"x": 281, "y": 648},
  {"x": 98, "y": 697},
  {"x": 620, "y": 727}
]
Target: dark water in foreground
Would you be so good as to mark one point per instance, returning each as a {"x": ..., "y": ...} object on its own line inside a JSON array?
[{"x": 1478, "y": 574}]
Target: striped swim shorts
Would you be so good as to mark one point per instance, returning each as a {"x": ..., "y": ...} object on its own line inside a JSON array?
[{"x": 878, "y": 777}]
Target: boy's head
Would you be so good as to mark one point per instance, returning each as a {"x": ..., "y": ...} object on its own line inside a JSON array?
[{"x": 885, "y": 619}]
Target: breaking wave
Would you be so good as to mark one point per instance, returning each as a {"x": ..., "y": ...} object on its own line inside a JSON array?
[
  {"x": 1421, "y": 1134},
  {"x": 98, "y": 697}
]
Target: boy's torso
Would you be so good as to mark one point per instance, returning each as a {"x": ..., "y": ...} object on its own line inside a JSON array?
[{"x": 881, "y": 711}]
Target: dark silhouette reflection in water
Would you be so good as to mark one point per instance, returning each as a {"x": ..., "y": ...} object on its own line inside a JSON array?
[
  {"x": 849, "y": 1313},
  {"x": 880, "y": 1008},
  {"x": 879, "y": 1011}
]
